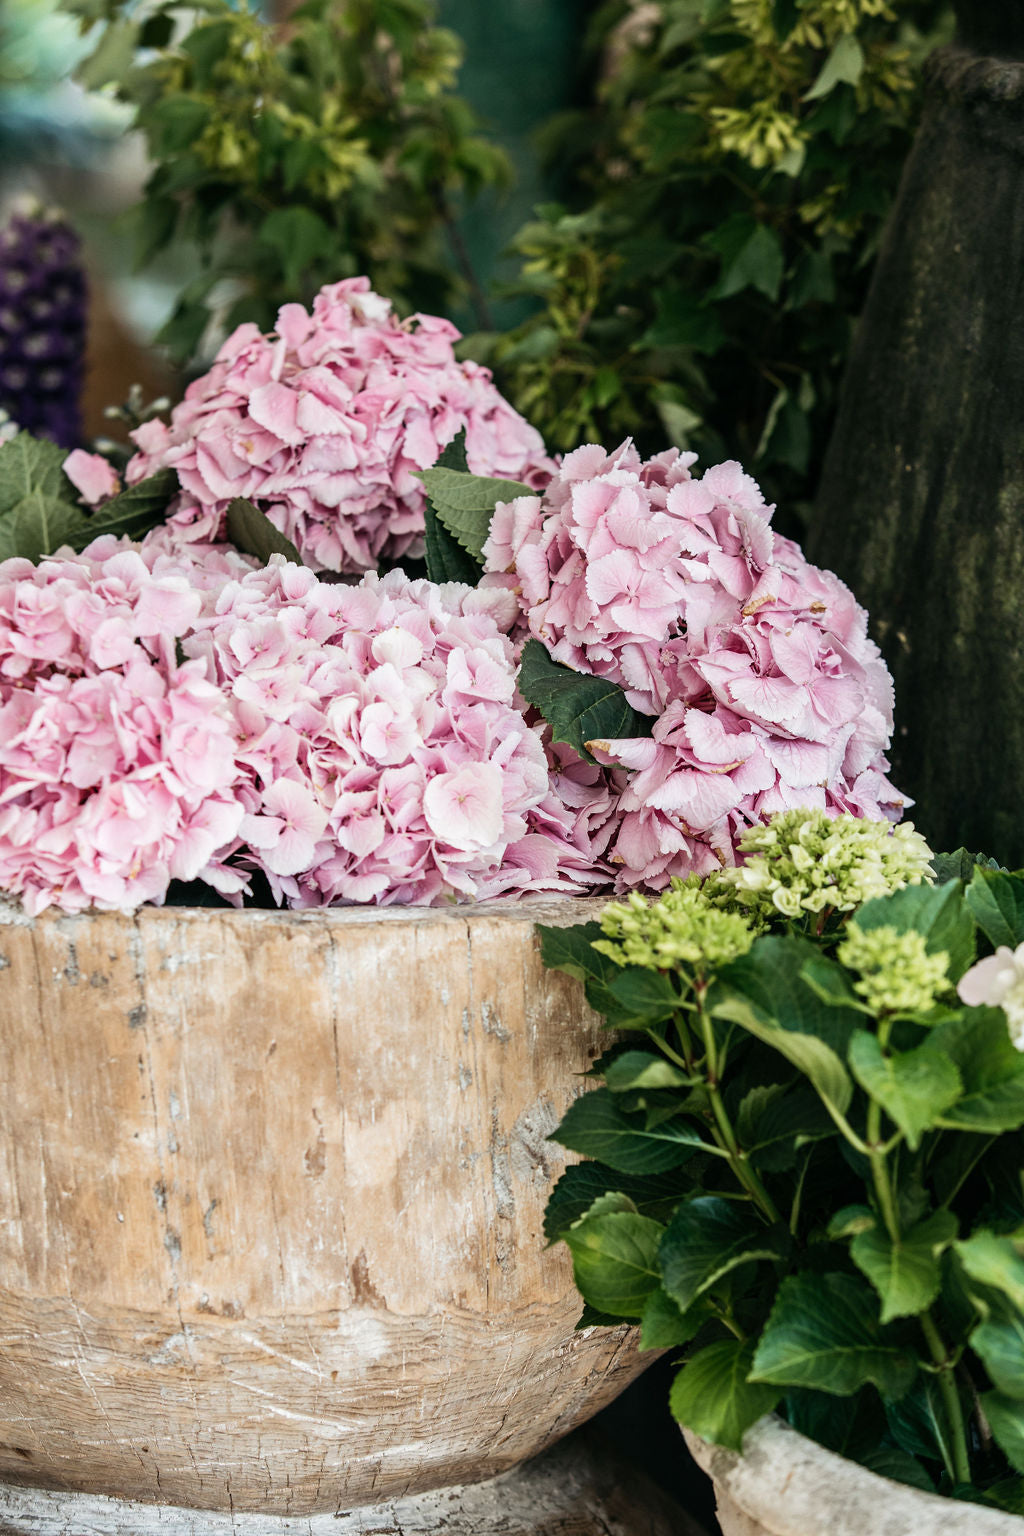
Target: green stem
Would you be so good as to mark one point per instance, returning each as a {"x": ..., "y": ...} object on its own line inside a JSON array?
[
  {"x": 724, "y": 1134},
  {"x": 950, "y": 1398}
]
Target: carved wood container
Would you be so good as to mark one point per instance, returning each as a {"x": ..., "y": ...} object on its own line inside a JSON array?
[{"x": 271, "y": 1192}]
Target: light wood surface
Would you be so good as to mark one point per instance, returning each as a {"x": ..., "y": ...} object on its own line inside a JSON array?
[{"x": 271, "y": 1190}]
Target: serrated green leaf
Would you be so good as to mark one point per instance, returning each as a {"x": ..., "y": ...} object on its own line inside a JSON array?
[
  {"x": 663, "y": 1326},
  {"x": 915, "y": 1088},
  {"x": 706, "y": 1239},
  {"x": 1005, "y": 1416},
  {"x": 906, "y": 1274},
  {"x": 39, "y": 508},
  {"x": 712, "y": 1396},
  {"x": 991, "y": 1068},
  {"x": 580, "y": 1185},
  {"x": 251, "y": 531},
  {"x": 32, "y": 466},
  {"x": 994, "y": 1261},
  {"x": 579, "y": 708},
  {"x": 465, "y": 503},
  {"x": 595, "y": 1126},
  {"x": 615, "y": 1260},
  {"x": 824, "y": 1332},
  {"x": 960, "y": 865},
  {"x": 134, "y": 511},
  {"x": 844, "y": 66},
  {"x": 937, "y": 912},
  {"x": 996, "y": 902},
  {"x": 453, "y": 455},
  {"x": 999, "y": 1342},
  {"x": 645, "y": 998},
  {"x": 642, "y": 1069}
]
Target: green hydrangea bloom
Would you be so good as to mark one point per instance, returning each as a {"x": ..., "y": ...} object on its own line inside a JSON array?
[
  {"x": 804, "y": 861},
  {"x": 897, "y": 974},
  {"x": 681, "y": 926}
]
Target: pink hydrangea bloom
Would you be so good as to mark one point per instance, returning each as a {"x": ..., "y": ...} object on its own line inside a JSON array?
[
  {"x": 383, "y": 756},
  {"x": 325, "y": 423},
  {"x": 766, "y": 690},
  {"x": 117, "y": 762},
  {"x": 93, "y": 476}
]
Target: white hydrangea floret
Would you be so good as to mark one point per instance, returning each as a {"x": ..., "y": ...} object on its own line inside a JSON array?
[{"x": 998, "y": 982}]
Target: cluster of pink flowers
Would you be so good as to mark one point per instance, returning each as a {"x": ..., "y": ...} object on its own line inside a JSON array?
[
  {"x": 117, "y": 763},
  {"x": 324, "y": 425},
  {"x": 766, "y": 691},
  {"x": 163, "y": 717}
]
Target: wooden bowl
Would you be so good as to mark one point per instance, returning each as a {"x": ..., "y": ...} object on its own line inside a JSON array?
[{"x": 271, "y": 1192}]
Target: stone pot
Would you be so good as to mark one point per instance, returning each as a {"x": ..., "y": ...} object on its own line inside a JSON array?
[
  {"x": 271, "y": 1196},
  {"x": 787, "y": 1485}
]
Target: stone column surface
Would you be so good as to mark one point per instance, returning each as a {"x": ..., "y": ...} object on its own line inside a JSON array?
[{"x": 921, "y": 507}]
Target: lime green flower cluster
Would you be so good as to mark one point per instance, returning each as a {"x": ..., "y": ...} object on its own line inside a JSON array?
[
  {"x": 897, "y": 974},
  {"x": 683, "y": 925},
  {"x": 804, "y": 861}
]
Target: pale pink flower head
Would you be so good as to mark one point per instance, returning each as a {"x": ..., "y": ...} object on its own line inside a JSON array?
[
  {"x": 117, "y": 760},
  {"x": 325, "y": 424},
  {"x": 756, "y": 667}
]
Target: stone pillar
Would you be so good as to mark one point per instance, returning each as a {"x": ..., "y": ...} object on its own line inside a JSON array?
[{"x": 921, "y": 507}]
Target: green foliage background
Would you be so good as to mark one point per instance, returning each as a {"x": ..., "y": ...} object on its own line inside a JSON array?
[{"x": 732, "y": 177}]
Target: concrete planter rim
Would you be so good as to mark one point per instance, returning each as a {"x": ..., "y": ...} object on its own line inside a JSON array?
[{"x": 787, "y": 1485}]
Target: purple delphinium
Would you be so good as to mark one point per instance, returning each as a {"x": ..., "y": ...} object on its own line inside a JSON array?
[{"x": 42, "y": 324}]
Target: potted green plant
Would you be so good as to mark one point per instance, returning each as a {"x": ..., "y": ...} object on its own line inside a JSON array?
[{"x": 803, "y": 1160}]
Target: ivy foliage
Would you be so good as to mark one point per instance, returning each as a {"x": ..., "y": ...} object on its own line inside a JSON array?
[
  {"x": 731, "y": 181},
  {"x": 294, "y": 156},
  {"x": 815, "y": 1200}
]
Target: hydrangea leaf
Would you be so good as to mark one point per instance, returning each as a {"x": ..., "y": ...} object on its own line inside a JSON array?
[
  {"x": 642, "y": 1069},
  {"x": 977, "y": 1041},
  {"x": 774, "y": 1120},
  {"x": 1005, "y": 1416},
  {"x": 595, "y": 1126},
  {"x": 937, "y": 912},
  {"x": 572, "y": 950},
  {"x": 1000, "y": 1344},
  {"x": 996, "y": 901},
  {"x": 578, "y": 707},
  {"x": 906, "y": 1274},
  {"x": 824, "y": 1332},
  {"x": 465, "y": 503},
  {"x": 995, "y": 1261},
  {"x": 645, "y": 998},
  {"x": 615, "y": 1260},
  {"x": 251, "y": 531},
  {"x": 919, "y": 1425},
  {"x": 136, "y": 509},
  {"x": 893, "y": 1462},
  {"x": 915, "y": 1088},
  {"x": 663, "y": 1326},
  {"x": 960, "y": 865},
  {"x": 712, "y": 1394},
  {"x": 579, "y": 1186},
  {"x": 706, "y": 1239}
]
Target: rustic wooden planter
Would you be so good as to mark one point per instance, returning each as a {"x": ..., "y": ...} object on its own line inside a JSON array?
[
  {"x": 271, "y": 1189},
  {"x": 786, "y": 1485}
]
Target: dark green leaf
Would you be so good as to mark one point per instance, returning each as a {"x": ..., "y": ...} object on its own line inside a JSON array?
[
  {"x": 574, "y": 1194},
  {"x": 663, "y": 1326},
  {"x": 918, "y": 1422},
  {"x": 579, "y": 708},
  {"x": 938, "y": 912},
  {"x": 1005, "y": 1417},
  {"x": 453, "y": 456},
  {"x": 174, "y": 123},
  {"x": 891, "y": 1461},
  {"x": 299, "y": 237},
  {"x": 595, "y": 1126},
  {"x": 615, "y": 1260},
  {"x": 112, "y": 57},
  {"x": 995, "y": 1261},
  {"x": 996, "y": 901},
  {"x": 712, "y": 1396},
  {"x": 991, "y": 1069},
  {"x": 683, "y": 319},
  {"x": 206, "y": 46},
  {"x": 706, "y": 1239},
  {"x": 752, "y": 257},
  {"x": 824, "y": 1332},
  {"x": 999, "y": 1341},
  {"x": 446, "y": 558},
  {"x": 571, "y": 950},
  {"x": 905, "y": 1274},
  {"x": 39, "y": 509},
  {"x": 645, "y": 998},
  {"x": 465, "y": 503},
  {"x": 848, "y": 1427},
  {"x": 251, "y": 531},
  {"x": 915, "y": 1088},
  {"x": 960, "y": 865},
  {"x": 642, "y": 1069}
]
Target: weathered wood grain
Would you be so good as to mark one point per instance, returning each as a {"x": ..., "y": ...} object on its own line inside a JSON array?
[
  {"x": 578, "y": 1488},
  {"x": 271, "y": 1190}
]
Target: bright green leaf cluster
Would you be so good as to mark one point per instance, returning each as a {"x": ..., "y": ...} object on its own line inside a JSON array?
[
  {"x": 804, "y": 1158},
  {"x": 895, "y": 972},
  {"x": 803, "y": 861},
  {"x": 297, "y": 155}
]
